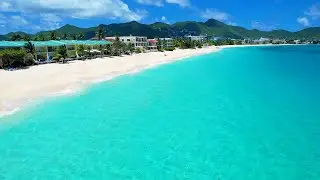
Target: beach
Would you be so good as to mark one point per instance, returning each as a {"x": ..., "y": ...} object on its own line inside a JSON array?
[
  {"x": 198, "y": 118},
  {"x": 21, "y": 86}
]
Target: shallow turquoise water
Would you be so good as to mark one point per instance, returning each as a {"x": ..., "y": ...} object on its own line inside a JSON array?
[{"x": 250, "y": 113}]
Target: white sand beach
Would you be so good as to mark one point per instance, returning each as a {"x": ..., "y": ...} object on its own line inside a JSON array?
[{"x": 21, "y": 86}]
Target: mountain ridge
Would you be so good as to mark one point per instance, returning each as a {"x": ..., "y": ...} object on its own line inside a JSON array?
[{"x": 210, "y": 27}]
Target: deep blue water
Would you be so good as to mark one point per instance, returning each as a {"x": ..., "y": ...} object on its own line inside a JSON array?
[{"x": 242, "y": 113}]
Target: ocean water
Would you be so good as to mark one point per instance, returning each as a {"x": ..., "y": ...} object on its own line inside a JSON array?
[{"x": 241, "y": 113}]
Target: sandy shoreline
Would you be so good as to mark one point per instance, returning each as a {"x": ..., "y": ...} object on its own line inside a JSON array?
[{"x": 22, "y": 86}]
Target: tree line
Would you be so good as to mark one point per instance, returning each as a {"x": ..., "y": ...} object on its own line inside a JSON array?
[{"x": 51, "y": 36}]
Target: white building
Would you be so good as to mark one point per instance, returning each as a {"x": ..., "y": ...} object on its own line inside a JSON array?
[
  {"x": 167, "y": 42},
  {"x": 136, "y": 41},
  {"x": 196, "y": 38},
  {"x": 152, "y": 45},
  {"x": 261, "y": 40}
]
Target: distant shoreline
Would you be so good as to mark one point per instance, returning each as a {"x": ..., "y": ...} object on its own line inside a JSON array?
[
  {"x": 37, "y": 82},
  {"x": 259, "y": 45}
]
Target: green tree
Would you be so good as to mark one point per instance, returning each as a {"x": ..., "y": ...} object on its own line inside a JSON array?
[
  {"x": 27, "y": 38},
  {"x": 28, "y": 59},
  {"x": 100, "y": 33},
  {"x": 159, "y": 44},
  {"x": 80, "y": 50},
  {"x": 15, "y": 37},
  {"x": 101, "y": 49},
  {"x": 12, "y": 58},
  {"x": 61, "y": 53},
  {"x": 129, "y": 48},
  {"x": 41, "y": 37},
  {"x": 138, "y": 50},
  {"x": 164, "y": 44},
  {"x": 117, "y": 46},
  {"x": 30, "y": 48},
  {"x": 108, "y": 49},
  {"x": 80, "y": 35},
  {"x": 199, "y": 44},
  {"x": 65, "y": 36},
  {"x": 88, "y": 51},
  {"x": 53, "y": 35}
]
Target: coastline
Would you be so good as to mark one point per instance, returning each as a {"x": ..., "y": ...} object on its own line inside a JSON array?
[
  {"x": 25, "y": 86},
  {"x": 22, "y": 87}
]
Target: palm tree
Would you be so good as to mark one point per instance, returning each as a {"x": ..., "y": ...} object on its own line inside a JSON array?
[
  {"x": 80, "y": 50},
  {"x": 88, "y": 51},
  {"x": 100, "y": 33},
  {"x": 62, "y": 52},
  {"x": 53, "y": 35},
  {"x": 159, "y": 44},
  {"x": 108, "y": 49},
  {"x": 164, "y": 43},
  {"x": 129, "y": 48},
  {"x": 29, "y": 47},
  {"x": 117, "y": 46}
]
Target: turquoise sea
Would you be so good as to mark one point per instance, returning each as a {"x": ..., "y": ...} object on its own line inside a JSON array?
[{"x": 239, "y": 114}]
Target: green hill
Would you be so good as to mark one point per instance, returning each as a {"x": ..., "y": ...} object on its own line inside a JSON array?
[
  {"x": 159, "y": 25},
  {"x": 211, "y": 27},
  {"x": 2, "y": 37},
  {"x": 312, "y": 32}
]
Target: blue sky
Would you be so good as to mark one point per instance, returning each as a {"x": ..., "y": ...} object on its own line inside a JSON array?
[{"x": 36, "y": 15}]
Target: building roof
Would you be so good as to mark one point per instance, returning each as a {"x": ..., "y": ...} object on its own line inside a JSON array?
[
  {"x": 152, "y": 41},
  {"x": 53, "y": 43}
]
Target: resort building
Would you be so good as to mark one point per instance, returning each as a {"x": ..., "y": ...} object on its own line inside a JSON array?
[
  {"x": 152, "y": 45},
  {"x": 136, "y": 41},
  {"x": 217, "y": 38},
  {"x": 167, "y": 42},
  {"x": 279, "y": 41},
  {"x": 196, "y": 38},
  {"x": 261, "y": 41}
]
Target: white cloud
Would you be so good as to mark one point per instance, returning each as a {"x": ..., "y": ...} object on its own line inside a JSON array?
[
  {"x": 3, "y": 19},
  {"x": 6, "y": 7},
  {"x": 50, "y": 17},
  {"x": 79, "y": 8},
  {"x": 313, "y": 11},
  {"x": 262, "y": 26},
  {"x": 215, "y": 14},
  {"x": 48, "y": 21},
  {"x": 13, "y": 22},
  {"x": 18, "y": 21},
  {"x": 158, "y": 3},
  {"x": 182, "y": 3},
  {"x": 163, "y": 18},
  {"x": 304, "y": 21}
]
